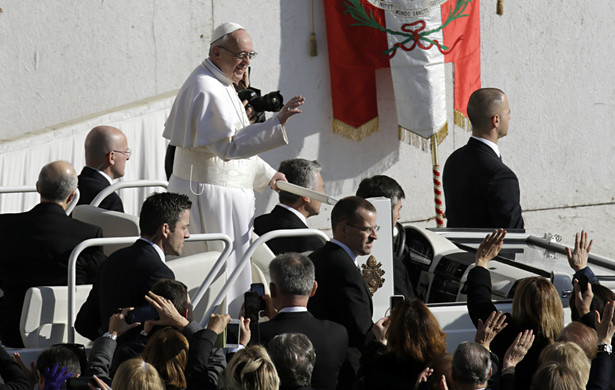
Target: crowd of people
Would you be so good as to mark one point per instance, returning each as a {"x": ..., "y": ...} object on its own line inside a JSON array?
[{"x": 318, "y": 331}]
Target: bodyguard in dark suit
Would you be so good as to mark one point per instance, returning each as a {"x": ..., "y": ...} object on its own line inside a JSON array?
[
  {"x": 342, "y": 294},
  {"x": 479, "y": 189},
  {"x": 292, "y": 284},
  {"x": 106, "y": 153},
  {"x": 293, "y": 210},
  {"x": 129, "y": 273},
  {"x": 37, "y": 244},
  {"x": 387, "y": 187}
]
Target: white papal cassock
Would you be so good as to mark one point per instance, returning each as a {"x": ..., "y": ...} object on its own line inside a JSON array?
[{"x": 216, "y": 163}]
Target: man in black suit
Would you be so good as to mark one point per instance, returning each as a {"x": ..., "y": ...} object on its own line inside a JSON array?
[
  {"x": 387, "y": 187},
  {"x": 106, "y": 153},
  {"x": 342, "y": 294},
  {"x": 479, "y": 189},
  {"x": 293, "y": 210},
  {"x": 129, "y": 273},
  {"x": 37, "y": 244},
  {"x": 292, "y": 285}
]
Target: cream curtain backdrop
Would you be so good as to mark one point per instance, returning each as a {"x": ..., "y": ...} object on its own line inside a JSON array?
[{"x": 142, "y": 122}]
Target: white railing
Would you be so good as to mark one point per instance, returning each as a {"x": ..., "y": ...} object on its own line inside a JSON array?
[
  {"x": 22, "y": 189},
  {"x": 127, "y": 184},
  {"x": 245, "y": 260},
  {"x": 72, "y": 271}
]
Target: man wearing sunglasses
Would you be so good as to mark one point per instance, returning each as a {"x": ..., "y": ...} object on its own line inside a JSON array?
[{"x": 216, "y": 159}]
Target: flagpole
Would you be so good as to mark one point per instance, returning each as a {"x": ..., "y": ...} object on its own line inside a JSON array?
[{"x": 437, "y": 182}]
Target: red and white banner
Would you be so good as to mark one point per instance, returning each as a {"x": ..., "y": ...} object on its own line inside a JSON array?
[{"x": 414, "y": 38}]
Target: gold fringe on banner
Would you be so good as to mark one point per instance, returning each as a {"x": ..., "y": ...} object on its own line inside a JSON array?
[
  {"x": 356, "y": 133},
  {"x": 418, "y": 141},
  {"x": 462, "y": 121}
]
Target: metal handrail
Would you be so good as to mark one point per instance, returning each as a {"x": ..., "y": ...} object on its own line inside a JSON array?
[
  {"x": 72, "y": 267},
  {"x": 248, "y": 255},
  {"x": 126, "y": 184},
  {"x": 18, "y": 189}
]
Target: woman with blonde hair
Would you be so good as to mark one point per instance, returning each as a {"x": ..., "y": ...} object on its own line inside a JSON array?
[
  {"x": 136, "y": 374},
  {"x": 167, "y": 351},
  {"x": 250, "y": 369},
  {"x": 536, "y": 306},
  {"x": 556, "y": 376},
  {"x": 413, "y": 339},
  {"x": 570, "y": 355}
]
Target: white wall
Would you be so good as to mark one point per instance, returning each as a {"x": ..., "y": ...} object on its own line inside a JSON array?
[{"x": 63, "y": 60}]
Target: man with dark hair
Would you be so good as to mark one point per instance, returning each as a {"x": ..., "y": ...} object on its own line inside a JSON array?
[
  {"x": 471, "y": 366},
  {"x": 387, "y": 187},
  {"x": 129, "y": 273},
  {"x": 106, "y": 153},
  {"x": 293, "y": 356},
  {"x": 56, "y": 364},
  {"x": 37, "y": 244},
  {"x": 292, "y": 285},
  {"x": 479, "y": 189},
  {"x": 342, "y": 294},
  {"x": 293, "y": 210}
]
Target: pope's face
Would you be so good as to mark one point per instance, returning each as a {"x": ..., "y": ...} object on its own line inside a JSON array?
[{"x": 226, "y": 57}]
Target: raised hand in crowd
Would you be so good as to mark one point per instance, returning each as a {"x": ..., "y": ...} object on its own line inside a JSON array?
[
  {"x": 218, "y": 322},
  {"x": 582, "y": 299},
  {"x": 380, "y": 330},
  {"x": 423, "y": 377},
  {"x": 118, "y": 326},
  {"x": 169, "y": 316},
  {"x": 604, "y": 326},
  {"x": 577, "y": 258},
  {"x": 30, "y": 372},
  {"x": 517, "y": 350},
  {"x": 486, "y": 331},
  {"x": 246, "y": 333},
  {"x": 490, "y": 247}
]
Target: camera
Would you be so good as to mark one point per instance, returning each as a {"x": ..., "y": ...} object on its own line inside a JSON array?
[{"x": 273, "y": 102}]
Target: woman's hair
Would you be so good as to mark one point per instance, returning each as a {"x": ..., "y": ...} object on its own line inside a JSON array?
[
  {"x": 555, "y": 376},
  {"x": 570, "y": 355},
  {"x": 582, "y": 335},
  {"x": 250, "y": 369},
  {"x": 167, "y": 351},
  {"x": 602, "y": 295},
  {"x": 537, "y": 304},
  {"x": 414, "y": 333},
  {"x": 136, "y": 374}
]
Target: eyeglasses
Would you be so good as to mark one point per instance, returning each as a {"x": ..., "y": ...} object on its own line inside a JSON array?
[
  {"x": 366, "y": 229},
  {"x": 126, "y": 152},
  {"x": 242, "y": 55}
]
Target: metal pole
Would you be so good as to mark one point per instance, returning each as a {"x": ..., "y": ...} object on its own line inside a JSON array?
[{"x": 437, "y": 182}]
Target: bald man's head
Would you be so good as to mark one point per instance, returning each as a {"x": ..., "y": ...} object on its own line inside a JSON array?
[
  {"x": 483, "y": 105},
  {"x": 106, "y": 149},
  {"x": 57, "y": 182}
]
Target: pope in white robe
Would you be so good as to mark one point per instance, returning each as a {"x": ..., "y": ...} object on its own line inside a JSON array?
[{"x": 216, "y": 162}]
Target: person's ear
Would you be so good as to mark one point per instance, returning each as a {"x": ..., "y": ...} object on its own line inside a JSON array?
[
  {"x": 71, "y": 196},
  {"x": 273, "y": 289},
  {"x": 165, "y": 230},
  {"x": 495, "y": 120},
  {"x": 314, "y": 288},
  {"x": 41, "y": 379}
]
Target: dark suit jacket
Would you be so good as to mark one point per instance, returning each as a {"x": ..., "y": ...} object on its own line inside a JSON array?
[
  {"x": 480, "y": 190},
  {"x": 342, "y": 295},
  {"x": 123, "y": 281},
  {"x": 281, "y": 218},
  {"x": 90, "y": 184},
  {"x": 330, "y": 342},
  {"x": 36, "y": 246}
]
